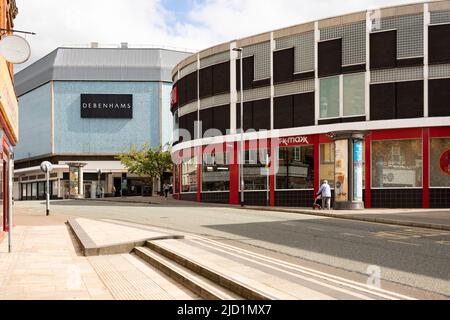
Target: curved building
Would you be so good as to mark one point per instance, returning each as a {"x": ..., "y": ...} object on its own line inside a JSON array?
[{"x": 361, "y": 100}]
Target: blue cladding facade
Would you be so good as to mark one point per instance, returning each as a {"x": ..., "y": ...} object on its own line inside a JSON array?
[
  {"x": 34, "y": 123},
  {"x": 74, "y": 134}
]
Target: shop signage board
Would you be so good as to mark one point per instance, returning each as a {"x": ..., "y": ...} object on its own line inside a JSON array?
[
  {"x": 8, "y": 101},
  {"x": 295, "y": 140},
  {"x": 106, "y": 106},
  {"x": 341, "y": 170}
]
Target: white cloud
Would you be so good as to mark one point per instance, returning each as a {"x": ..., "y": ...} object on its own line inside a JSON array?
[{"x": 208, "y": 22}]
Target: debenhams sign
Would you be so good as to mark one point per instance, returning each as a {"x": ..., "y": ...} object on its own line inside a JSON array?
[{"x": 107, "y": 106}]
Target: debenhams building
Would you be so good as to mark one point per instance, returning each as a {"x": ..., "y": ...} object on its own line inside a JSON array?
[
  {"x": 361, "y": 100},
  {"x": 80, "y": 107}
]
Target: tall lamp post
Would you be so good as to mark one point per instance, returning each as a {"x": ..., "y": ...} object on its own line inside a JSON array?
[
  {"x": 47, "y": 167},
  {"x": 241, "y": 157}
]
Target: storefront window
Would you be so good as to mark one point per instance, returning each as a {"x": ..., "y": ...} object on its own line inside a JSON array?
[
  {"x": 255, "y": 176},
  {"x": 326, "y": 170},
  {"x": 295, "y": 168},
  {"x": 397, "y": 164},
  {"x": 216, "y": 172},
  {"x": 354, "y": 94},
  {"x": 189, "y": 175},
  {"x": 440, "y": 162},
  {"x": 329, "y": 97}
]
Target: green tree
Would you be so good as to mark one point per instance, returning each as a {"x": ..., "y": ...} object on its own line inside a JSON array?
[{"x": 147, "y": 161}]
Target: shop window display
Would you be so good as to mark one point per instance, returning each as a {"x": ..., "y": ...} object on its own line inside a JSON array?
[{"x": 397, "y": 164}]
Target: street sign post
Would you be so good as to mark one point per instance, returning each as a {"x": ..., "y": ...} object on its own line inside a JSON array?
[{"x": 47, "y": 167}]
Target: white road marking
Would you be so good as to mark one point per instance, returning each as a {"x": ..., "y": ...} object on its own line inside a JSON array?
[
  {"x": 328, "y": 277},
  {"x": 407, "y": 243},
  {"x": 352, "y": 235}
]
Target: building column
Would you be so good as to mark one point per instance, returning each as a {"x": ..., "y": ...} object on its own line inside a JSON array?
[
  {"x": 348, "y": 170},
  {"x": 76, "y": 181}
]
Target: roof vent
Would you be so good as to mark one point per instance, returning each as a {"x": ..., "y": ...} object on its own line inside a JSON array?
[
  {"x": 124, "y": 45},
  {"x": 94, "y": 44}
]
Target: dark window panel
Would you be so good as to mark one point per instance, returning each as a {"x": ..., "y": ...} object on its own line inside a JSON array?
[
  {"x": 248, "y": 115},
  {"x": 382, "y": 101},
  {"x": 303, "y": 106},
  {"x": 191, "y": 119},
  {"x": 261, "y": 114},
  {"x": 191, "y": 87},
  {"x": 248, "y": 68},
  {"x": 221, "y": 78},
  {"x": 221, "y": 118},
  {"x": 409, "y": 97},
  {"x": 439, "y": 44},
  {"x": 182, "y": 124},
  {"x": 182, "y": 91},
  {"x": 330, "y": 57},
  {"x": 206, "y": 118},
  {"x": 330, "y": 121},
  {"x": 353, "y": 119},
  {"x": 304, "y": 75},
  {"x": 283, "y": 65},
  {"x": 356, "y": 68},
  {"x": 261, "y": 83},
  {"x": 283, "y": 114},
  {"x": 439, "y": 98},
  {"x": 206, "y": 82},
  {"x": 410, "y": 62},
  {"x": 383, "y": 49}
]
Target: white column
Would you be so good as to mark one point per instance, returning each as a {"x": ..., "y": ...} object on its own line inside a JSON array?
[
  {"x": 341, "y": 95},
  {"x": 233, "y": 90},
  {"x": 426, "y": 22},
  {"x": 367, "y": 78},
  {"x": 316, "y": 71},
  {"x": 199, "y": 128},
  {"x": 272, "y": 88},
  {"x": 80, "y": 182}
]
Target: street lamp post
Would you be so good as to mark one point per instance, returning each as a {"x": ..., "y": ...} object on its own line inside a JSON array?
[
  {"x": 99, "y": 189},
  {"x": 241, "y": 157},
  {"x": 47, "y": 167}
]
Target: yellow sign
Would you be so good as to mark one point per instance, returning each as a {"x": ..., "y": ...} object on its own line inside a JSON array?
[{"x": 8, "y": 100}]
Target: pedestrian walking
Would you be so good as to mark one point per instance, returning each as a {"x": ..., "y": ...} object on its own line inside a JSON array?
[
  {"x": 325, "y": 193},
  {"x": 166, "y": 189}
]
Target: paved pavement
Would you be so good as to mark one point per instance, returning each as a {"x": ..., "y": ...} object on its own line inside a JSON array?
[
  {"x": 413, "y": 257},
  {"x": 46, "y": 264},
  {"x": 259, "y": 274}
]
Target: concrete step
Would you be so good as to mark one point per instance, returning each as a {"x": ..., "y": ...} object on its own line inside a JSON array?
[
  {"x": 239, "y": 288},
  {"x": 197, "y": 283}
]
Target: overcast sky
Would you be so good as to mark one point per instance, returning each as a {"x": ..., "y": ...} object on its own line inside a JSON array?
[{"x": 189, "y": 24}]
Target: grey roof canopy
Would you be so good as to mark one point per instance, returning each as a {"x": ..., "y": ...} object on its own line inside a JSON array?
[{"x": 99, "y": 64}]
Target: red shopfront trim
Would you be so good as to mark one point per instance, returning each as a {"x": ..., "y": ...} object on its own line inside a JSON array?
[
  {"x": 426, "y": 168},
  {"x": 316, "y": 141},
  {"x": 441, "y": 132},
  {"x": 397, "y": 134},
  {"x": 234, "y": 176},
  {"x": 5, "y": 157},
  {"x": 368, "y": 171}
]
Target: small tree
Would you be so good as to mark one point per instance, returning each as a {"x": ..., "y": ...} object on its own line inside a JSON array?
[{"x": 147, "y": 161}]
